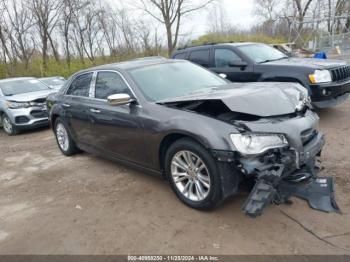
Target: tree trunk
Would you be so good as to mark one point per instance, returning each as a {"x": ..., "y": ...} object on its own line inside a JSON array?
[
  {"x": 44, "y": 53},
  {"x": 170, "y": 39},
  {"x": 54, "y": 50},
  {"x": 67, "y": 49}
]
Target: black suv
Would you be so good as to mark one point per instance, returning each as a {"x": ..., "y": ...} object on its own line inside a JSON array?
[{"x": 328, "y": 81}]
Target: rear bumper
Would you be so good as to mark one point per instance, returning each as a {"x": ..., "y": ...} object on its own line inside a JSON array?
[{"x": 330, "y": 94}]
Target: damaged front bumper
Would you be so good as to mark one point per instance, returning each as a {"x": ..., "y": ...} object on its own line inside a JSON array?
[{"x": 281, "y": 174}]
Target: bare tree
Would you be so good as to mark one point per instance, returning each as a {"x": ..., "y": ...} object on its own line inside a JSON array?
[
  {"x": 87, "y": 30},
  {"x": 46, "y": 14},
  {"x": 127, "y": 30},
  {"x": 302, "y": 6},
  {"x": 170, "y": 13},
  {"x": 267, "y": 9},
  {"x": 69, "y": 8},
  {"x": 20, "y": 23},
  {"x": 111, "y": 32},
  {"x": 218, "y": 21}
]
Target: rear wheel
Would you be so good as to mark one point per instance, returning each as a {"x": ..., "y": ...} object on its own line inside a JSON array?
[
  {"x": 64, "y": 139},
  {"x": 8, "y": 126},
  {"x": 193, "y": 175}
]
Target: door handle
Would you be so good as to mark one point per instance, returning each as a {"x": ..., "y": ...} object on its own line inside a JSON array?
[
  {"x": 92, "y": 110},
  {"x": 65, "y": 105}
]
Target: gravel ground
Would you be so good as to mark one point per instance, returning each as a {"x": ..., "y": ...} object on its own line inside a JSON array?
[{"x": 51, "y": 204}]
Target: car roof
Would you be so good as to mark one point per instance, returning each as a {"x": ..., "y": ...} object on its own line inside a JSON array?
[
  {"x": 136, "y": 63},
  {"x": 15, "y": 79},
  {"x": 190, "y": 48}
]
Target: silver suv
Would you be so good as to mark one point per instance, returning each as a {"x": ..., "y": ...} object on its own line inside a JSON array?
[{"x": 23, "y": 104}]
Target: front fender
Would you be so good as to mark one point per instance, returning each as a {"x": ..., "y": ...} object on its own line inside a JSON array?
[{"x": 211, "y": 133}]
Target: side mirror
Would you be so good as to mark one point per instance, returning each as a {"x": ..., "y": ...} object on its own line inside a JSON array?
[
  {"x": 119, "y": 99},
  {"x": 241, "y": 64}
]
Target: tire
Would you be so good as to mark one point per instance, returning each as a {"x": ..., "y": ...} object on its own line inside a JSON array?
[
  {"x": 200, "y": 188},
  {"x": 8, "y": 126},
  {"x": 64, "y": 139}
]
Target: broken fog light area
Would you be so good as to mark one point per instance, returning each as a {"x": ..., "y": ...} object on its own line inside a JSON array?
[{"x": 278, "y": 179}]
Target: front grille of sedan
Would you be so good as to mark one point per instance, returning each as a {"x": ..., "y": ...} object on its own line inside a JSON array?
[
  {"x": 38, "y": 104},
  {"x": 39, "y": 113},
  {"x": 340, "y": 73},
  {"x": 40, "y": 100}
]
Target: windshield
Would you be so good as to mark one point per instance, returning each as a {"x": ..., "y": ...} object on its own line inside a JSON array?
[
  {"x": 22, "y": 86},
  {"x": 170, "y": 80},
  {"x": 53, "y": 81},
  {"x": 261, "y": 53}
]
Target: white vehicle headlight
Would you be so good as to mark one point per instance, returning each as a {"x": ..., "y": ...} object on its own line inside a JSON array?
[
  {"x": 320, "y": 76},
  {"x": 17, "y": 105},
  {"x": 253, "y": 144}
]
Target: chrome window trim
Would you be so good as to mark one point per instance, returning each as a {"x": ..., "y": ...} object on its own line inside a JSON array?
[{"x": 93, "y": 85}]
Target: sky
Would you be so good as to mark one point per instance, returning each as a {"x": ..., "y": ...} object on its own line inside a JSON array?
[{"x": 239, "y": 12}]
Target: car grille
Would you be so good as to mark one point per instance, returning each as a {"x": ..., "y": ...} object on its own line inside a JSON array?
[
  {"x": 308, "y": 135},
  {"x": 340, "y": 73},
  {"x": 39, "y": 113},
  {"x": 40, "y": 100}
]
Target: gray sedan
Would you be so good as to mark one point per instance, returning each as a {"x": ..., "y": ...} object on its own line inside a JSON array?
[
  {"x": 202, "y": 133},
  {"x": 23, "y": 104}
]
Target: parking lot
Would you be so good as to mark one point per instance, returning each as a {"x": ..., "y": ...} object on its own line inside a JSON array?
[{"x": 51, "y": 204}]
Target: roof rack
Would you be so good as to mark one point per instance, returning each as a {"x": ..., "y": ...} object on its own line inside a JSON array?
[{"x": 189, "y": 46}]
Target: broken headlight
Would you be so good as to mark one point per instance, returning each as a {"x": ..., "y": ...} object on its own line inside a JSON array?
[{"x": 253, "y": 144}]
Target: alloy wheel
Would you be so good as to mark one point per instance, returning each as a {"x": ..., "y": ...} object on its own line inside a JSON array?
[
  {"x": 7, "y": 125},
  {"x": 62, "y": 137},
  {"x": 190, "y": 175}
]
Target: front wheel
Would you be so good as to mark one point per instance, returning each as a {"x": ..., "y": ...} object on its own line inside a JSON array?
[
  {"x": 64, "y": 139},
  {"x": 193, "y": 174},
  {"x": 8, "y": 127}
]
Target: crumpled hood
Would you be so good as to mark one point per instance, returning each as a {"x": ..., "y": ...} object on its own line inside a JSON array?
[
  {"x": 260, "y": 99},
  {"x": 27, "y": 97},
  {"x": 308, "y": 62}
]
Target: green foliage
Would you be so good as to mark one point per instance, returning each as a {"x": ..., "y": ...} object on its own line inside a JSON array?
[
  {"x": 61, "y": 68},
  {"x": 223, "y": 38}
]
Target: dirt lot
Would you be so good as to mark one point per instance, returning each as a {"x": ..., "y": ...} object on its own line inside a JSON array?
[{"x": 51, "y": 204}]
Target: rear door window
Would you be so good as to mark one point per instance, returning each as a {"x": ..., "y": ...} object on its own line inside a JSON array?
[
  {"x": 224, "y": 57},
  {"x": 110, "y": 83},
  {"x": 200, "y": 57},
  {"x": 80, "y": 85}
]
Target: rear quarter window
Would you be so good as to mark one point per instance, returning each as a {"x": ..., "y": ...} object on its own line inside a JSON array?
[{"x": 200, "y": 57}]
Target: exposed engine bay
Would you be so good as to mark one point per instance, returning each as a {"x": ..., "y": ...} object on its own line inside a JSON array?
[{"x": 279, "y": 173}]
